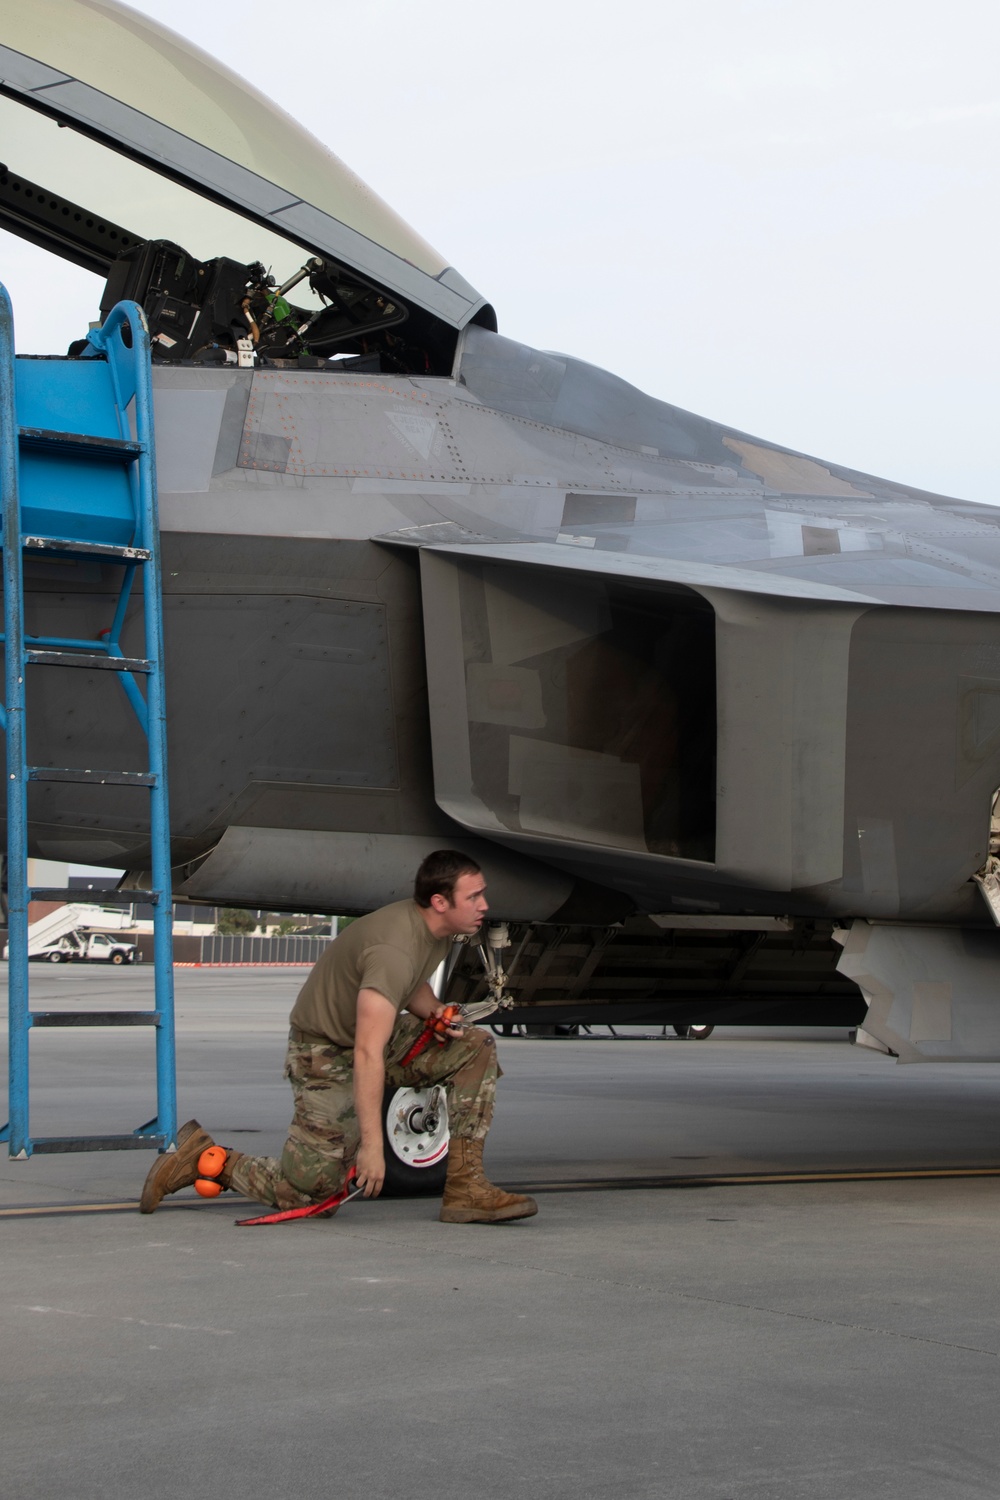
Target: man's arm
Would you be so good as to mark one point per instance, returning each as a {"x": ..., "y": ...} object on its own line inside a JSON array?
[
  {"x": 423, "y": 1004},
  {"x": 376, "y": 1018}
]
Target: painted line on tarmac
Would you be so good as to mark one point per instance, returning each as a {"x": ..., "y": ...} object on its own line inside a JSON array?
[
  {"x": 747, "y": 1179},
  {"x": 49, "y": 1210},
  {"x": 581, "y": 1185}
]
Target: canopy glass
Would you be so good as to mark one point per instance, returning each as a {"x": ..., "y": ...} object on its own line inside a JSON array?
[{"x": 150, "y": 69}]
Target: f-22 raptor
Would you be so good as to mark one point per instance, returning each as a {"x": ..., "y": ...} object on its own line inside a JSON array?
[{"x": 720, "y": 720}]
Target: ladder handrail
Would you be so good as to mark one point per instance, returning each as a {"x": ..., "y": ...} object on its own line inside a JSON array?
[
  {"x": 132, "y": 378},
  {"x": 17, "y": 782},
  {"x": 130, "y": 368}
]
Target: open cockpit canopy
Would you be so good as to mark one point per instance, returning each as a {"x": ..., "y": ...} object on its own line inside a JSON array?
[{"x": 134, "y": 154}]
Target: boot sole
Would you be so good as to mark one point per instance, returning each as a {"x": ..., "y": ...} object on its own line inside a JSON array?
[{"x": 499, "y": 1216}]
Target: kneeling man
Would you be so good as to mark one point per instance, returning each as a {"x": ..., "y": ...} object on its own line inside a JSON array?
[{"x": 349, "y": 1038}]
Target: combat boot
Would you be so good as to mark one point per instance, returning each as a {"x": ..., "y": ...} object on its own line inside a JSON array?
[
  {"x": 470, "y": 1197},
  {"x": 180, "y": 1169}
]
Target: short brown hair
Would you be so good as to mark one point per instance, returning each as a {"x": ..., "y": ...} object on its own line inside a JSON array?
[{"x": 438, "y": 874}]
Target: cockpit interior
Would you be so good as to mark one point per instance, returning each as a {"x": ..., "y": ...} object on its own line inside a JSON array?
[{"x": 221, "y": 310}]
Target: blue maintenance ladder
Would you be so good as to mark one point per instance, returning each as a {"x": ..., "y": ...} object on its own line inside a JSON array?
[{"x": 77, "y": 480}]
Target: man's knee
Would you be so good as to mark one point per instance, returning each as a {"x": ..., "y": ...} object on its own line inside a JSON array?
[
  {"x": 482, "y": 1047},
  {"x": 481, "y": 1052}
]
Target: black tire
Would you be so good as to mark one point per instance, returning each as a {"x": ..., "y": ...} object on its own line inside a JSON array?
[
  {"x": 695, "y": 1033},
  {"x": 401, "y": 1179},
  {"x": 55, "y": 957},
  {"x": 118, "y": 957}
]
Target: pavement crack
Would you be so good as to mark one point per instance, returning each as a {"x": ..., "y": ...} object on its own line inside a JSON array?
[{"x": 664, "y": 1291}]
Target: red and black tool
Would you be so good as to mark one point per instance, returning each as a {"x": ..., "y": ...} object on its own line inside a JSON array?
[
  {"x": 311, "y": 1210},
  {"x": 437, "y": 1028}
]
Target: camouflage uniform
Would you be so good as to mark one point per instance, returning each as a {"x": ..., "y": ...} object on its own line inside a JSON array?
[{"x": 324, "y": 1137}]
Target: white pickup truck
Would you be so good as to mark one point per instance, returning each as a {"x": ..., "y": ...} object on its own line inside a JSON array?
[
  {"x": 89, "y": 947},
  {"x": 80, "y": 933}
]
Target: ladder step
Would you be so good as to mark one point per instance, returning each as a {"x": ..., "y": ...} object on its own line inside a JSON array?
[
  {"x": 52, "y": 1144},
  {"x": 88, "y": 659},
  {"x": 102, "y": 778},
  {"x": 93, "y": 898},
  {"x": 85, "y": 549},
  {"x": 79, "y": 444},
  {"x": 95, "y": 1018}
]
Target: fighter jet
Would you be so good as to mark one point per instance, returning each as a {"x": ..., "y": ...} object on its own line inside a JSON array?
[{"x": 720, "y": 720}]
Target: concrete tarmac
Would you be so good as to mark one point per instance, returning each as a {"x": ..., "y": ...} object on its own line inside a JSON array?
[{"x": 752, "y": 1342}]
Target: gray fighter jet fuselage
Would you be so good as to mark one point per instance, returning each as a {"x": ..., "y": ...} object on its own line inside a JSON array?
[{"x": 711, "y": 713}]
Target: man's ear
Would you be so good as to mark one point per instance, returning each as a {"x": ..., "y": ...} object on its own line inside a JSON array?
[{"x": 439, "y": 902}]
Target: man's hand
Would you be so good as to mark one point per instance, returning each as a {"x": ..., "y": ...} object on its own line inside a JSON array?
[
  {"x": 457, "y": 1026},
  {"x": 371, "y": 1169},
  {"x": 426, "y": 1006}
]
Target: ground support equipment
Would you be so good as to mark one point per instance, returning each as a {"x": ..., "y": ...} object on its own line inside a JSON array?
[{"x": 78, "y": 481}]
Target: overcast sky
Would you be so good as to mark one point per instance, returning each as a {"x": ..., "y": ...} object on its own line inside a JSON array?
[{"x": 779, "y": 213}]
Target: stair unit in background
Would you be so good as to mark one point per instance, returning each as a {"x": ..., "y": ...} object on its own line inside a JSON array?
[{"x": 77, "y": 480}]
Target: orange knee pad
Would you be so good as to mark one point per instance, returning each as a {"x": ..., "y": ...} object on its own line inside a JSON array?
[{"x": 210, "y": 1164}]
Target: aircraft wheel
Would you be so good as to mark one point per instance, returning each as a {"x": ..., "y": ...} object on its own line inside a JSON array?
[
  {"x": 694, "y": 1033},
  {"x": 415, "y": 1136},
  {"x": 55, "y": 958}
]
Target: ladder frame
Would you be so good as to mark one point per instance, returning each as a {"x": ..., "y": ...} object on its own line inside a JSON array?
[{"x": 123, "y": 340}]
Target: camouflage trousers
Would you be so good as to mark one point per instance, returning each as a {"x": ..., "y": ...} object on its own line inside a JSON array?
[{"x": 323, "y": 1139}]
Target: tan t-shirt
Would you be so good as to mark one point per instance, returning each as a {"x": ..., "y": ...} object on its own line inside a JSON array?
[{"x": 390, "y": 950}]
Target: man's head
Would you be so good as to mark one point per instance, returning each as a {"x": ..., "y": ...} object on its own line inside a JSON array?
[{"x": 450, "y": 890}]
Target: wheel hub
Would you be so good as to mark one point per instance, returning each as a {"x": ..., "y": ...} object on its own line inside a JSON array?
[{"x": 417, "y": 1125}]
